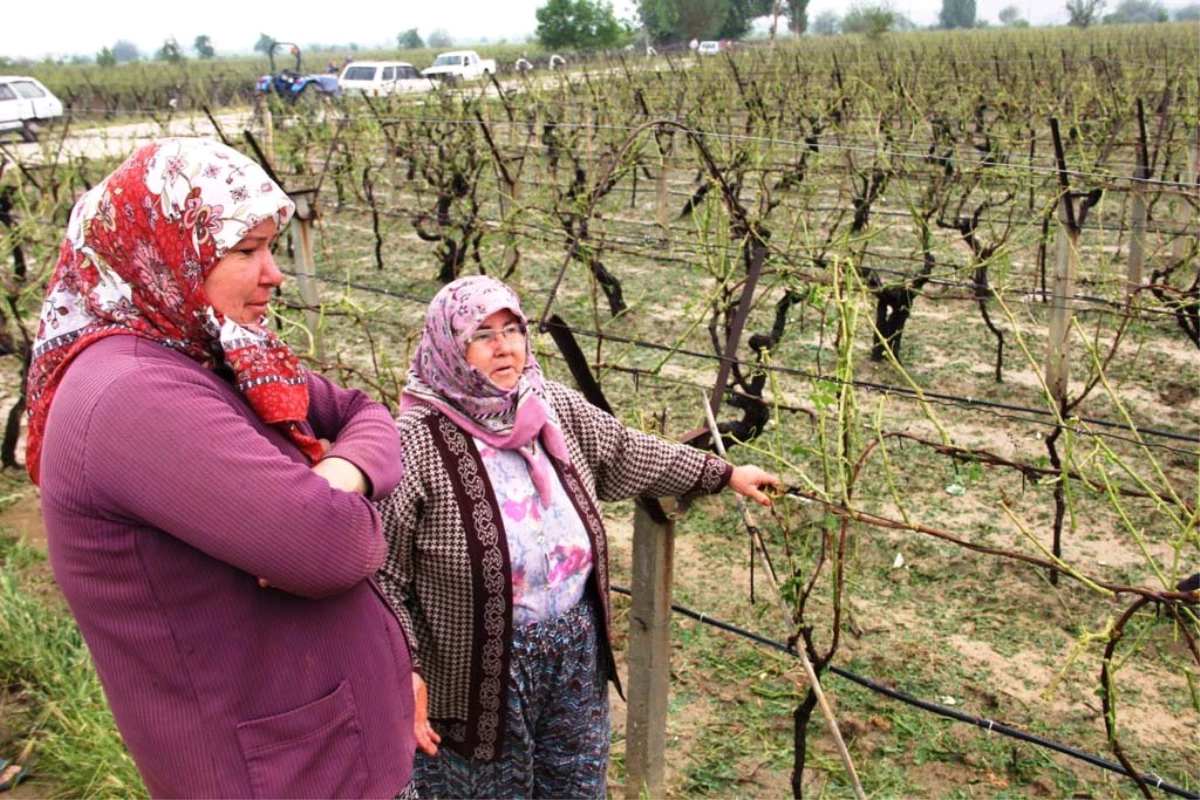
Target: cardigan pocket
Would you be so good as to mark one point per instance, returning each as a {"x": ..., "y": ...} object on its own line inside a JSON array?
[{"x": 311, "y": 751}]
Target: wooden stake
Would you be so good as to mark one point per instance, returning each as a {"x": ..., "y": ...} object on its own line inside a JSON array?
[
  {"x": 1137, "y": 220},
  {"x": 1063, "y": 284},
  {"x": 1061, "y": 308},
  {"x": 660, "y": 191},
  {"x": 268, "y": 124},
  {"x": 649, "y": 653},
  {"x": 1184, "y": 213},
  {"x": 306, "y": 267}
]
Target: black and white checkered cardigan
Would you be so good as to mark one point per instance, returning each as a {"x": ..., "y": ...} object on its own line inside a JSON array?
[{"x": 451, "y": 583}]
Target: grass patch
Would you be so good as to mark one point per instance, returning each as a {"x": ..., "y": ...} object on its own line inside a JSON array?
[{"x": 64, "y": 724}]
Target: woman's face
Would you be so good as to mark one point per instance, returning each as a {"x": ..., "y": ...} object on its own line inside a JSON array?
[
  {"x": 502, "y": 359},
  {"x": 241, "y": 284}
]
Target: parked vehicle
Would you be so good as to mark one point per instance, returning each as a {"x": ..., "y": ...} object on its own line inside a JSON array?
[
  {"x": 459, "y": 64},
  {"x": 289, "y": 83},
  {"x": 379, "y": 78},
  {"x": 709, "y": 49},
  {"x": 26, "y": 106}
]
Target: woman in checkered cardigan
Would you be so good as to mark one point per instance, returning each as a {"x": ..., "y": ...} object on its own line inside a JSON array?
[{"x": 498, "y": 563}]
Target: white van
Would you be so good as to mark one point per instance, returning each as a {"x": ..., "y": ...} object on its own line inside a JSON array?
[
  {"x": 377, "y": 78},
  {"x": 26, "y": 105}
]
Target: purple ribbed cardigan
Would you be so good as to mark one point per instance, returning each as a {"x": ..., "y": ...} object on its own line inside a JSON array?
[{"x": 165, "y": 499}]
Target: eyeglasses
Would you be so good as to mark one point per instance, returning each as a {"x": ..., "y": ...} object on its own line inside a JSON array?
[{"x": 492, "y": 336}]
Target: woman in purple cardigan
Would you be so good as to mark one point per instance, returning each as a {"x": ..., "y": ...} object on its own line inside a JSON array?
[
  {"x": 498, "y": 561},
  {"x": 207, "y": 499}
]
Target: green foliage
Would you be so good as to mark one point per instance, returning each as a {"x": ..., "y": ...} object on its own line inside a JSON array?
[
  {"x": 203, "y": 46},
  {"x": 578, "y": 25},
  {"x": 125, "y": 51},
  {"x": 263, "y": 45},
  {"x": 873, "y": 20},
  {"x": 410, "y": 40},
  {"x": 1137, "y": 12},
  {"x": 827, "y": 23},
  {"x": 170, "y": 52},
  {"x": 43, "y": 657},
  {"x": 1009, "y": 16},
  {"x": 797, "y": 14},
  {"x": 675, "y": 20},
  {"x": 1084, "y": 13},
  {"x": 440, "y": 39},
  {"x": 737, "y": 19},
  {"x": 106, "y": 57},
  {"x": 957, "y": 14}
]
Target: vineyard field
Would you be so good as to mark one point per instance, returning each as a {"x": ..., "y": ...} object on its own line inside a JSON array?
[{"x": 947, "y": 285}]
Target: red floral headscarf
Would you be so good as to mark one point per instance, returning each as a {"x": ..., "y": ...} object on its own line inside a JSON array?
[{"x": 137, "y": 251}]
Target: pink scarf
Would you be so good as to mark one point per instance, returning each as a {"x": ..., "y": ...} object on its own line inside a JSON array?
[{"x": 440, "y": 376}]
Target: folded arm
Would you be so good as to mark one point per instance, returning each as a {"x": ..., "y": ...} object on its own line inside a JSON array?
[{"x": 177, "y": 454}]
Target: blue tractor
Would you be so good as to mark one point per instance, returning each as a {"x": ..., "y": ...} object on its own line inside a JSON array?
[{"x": 290, "y": 84}]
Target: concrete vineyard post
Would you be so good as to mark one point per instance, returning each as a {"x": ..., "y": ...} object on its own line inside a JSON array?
[{"x": 649, "y": 653}]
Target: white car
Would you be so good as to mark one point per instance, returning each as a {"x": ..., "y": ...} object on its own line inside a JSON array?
[
  {"x": 26, "y": 105},
  {"x": 460, "y": 64},
  {"x": 378, "y": 78},
  {"x": 709, "y": 49}
]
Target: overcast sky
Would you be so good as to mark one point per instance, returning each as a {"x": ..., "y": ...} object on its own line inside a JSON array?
[{"x": 66, "y": 27}]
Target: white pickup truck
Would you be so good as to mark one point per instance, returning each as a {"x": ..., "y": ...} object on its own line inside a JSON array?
[{"x": 459, "y": 64}]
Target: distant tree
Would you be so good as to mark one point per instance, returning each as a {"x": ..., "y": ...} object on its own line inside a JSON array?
[
  {"x": 874, "y": 20},
  {"x": 957, "y": 14},
  {"x": 578, "y": 24},
  {"x": 1009, "y": 15},
  {"x": 826, "y": 23},
  {"x": 675, "y": 20},
  {"x": 797, "y": 11},
  {"x": 170, "y": 52},
  {"x": 263, "y": 45},
  {"x": 1188, "y": 13},
  {"x": 439, "y": 39},
  {"x": 1137, "y": 12},
  {"x": 739, "y": 16},
  {"x": 106, "y": 58},
  {"x": 203, "y": 46},
  {"x": 659, "y": 19},
  {"x": 1084, "y": 13},
  {"x": 410, "y": 40},
  {"x": 702, "y": 19},
  {"x": 125, "y": 50}
]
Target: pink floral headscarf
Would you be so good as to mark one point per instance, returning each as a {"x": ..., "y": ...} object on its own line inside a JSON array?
[
  {"x": 440, "y": 376},
  {"x": 138, "y": 248}
]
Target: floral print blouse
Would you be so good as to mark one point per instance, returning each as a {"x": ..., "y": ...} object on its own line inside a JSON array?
[{"x": 548, "y": 547}]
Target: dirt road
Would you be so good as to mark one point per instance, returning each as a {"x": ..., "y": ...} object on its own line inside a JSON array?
[{"x": 116, "y": 141}]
